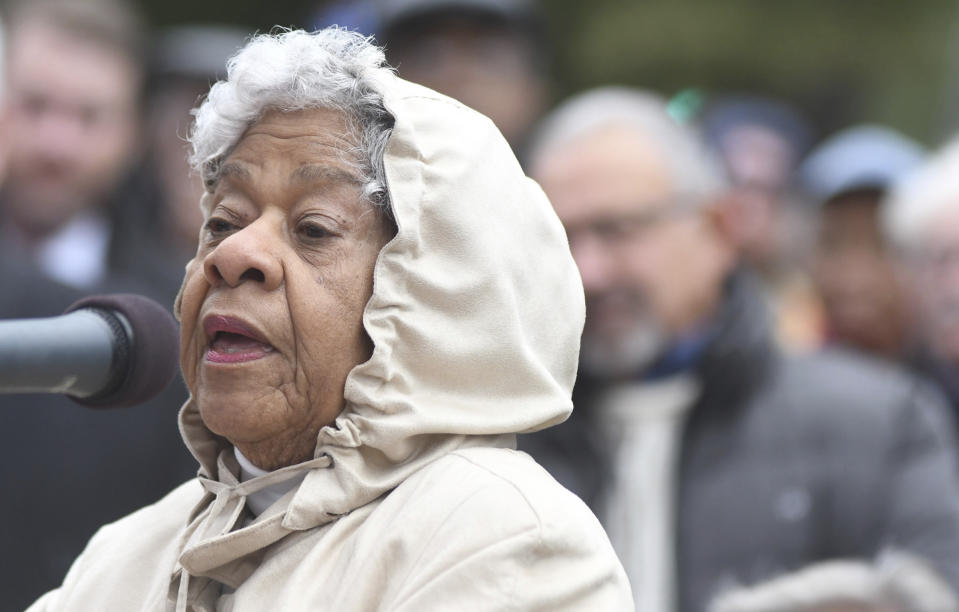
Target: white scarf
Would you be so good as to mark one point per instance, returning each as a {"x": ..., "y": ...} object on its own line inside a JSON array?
[
  {"x": 258, "y": 501},
  {"x": 643, "y": 422}
]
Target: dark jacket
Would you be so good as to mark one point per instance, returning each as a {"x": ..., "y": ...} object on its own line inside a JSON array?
[
  {"x": 98, "y": 464},
  {"x": 786, "y": 461}
]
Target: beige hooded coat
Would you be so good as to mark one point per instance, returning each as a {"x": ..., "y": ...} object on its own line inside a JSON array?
[{"x": 415, "y": 499}]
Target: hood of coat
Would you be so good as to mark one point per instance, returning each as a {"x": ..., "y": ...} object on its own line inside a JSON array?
[{"x": 475, "y": 316}]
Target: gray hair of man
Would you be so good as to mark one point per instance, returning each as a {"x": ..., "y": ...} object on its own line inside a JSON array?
[
  {"x": 896, "y": 582},
  {"x": 920, "y": 198},
  {"x": 292, "y": 70},
  {"x": 694, "y": 171}
]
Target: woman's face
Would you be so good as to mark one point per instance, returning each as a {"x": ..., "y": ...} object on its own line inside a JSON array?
[{"x": 272, "y": 304}]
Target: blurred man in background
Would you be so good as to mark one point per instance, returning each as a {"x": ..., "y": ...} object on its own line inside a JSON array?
[
  {"x": 74, "y": 75},
  {"x": 845, "y": 178},
  {"x": 71, "y": 126},
  {"x": 760, "y": 142},
  {"x": 921, "y": 219},
  {"x": 25, "y": 293},
  {"x": 708, "y": 454}
]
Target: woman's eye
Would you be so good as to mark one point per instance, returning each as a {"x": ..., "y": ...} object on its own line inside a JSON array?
[
  {"x": 218, "y": 227},
  {"x": 313, "y": 231}
]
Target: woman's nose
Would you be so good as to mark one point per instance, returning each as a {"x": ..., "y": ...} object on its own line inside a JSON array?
[{"x": 248, "y": 255}]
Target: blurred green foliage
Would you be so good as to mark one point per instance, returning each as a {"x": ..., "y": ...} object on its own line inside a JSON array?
[{"x": 842, "y": 61}]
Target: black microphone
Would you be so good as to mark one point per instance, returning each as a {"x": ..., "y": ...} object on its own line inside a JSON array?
[{"x": 106, "y": 351}]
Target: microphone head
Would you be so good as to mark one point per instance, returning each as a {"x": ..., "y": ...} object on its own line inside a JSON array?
[{"x": 146, "y": 349}]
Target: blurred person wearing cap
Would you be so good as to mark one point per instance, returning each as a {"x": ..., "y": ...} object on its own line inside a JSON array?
[
  {"x": 760, "y": 142},
  {"x": 186, "y": 59},
  {"x": 709, "y": 454},
  {"x": 845, "y": 179},
  {"x": 488, "y": 54},
  {"x": 162, "y": 216},
  {"x": 920, "y": 217}
]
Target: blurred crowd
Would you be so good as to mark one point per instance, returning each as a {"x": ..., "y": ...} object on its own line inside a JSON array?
[{"x": 765, "y": 415}]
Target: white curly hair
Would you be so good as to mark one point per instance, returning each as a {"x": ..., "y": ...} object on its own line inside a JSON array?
[
  {"x": 292, "y": 70},
  {"x": 918, "y": 201}
]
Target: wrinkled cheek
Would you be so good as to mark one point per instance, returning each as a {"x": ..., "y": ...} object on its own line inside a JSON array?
[
  {"x": 191, "y": 336},
  {"x": 316, "y": 384}
]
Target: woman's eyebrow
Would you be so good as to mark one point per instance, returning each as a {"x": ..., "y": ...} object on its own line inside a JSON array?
[
  {"x": 234, "y": 170},
  {"x": 313, "y": 173}
]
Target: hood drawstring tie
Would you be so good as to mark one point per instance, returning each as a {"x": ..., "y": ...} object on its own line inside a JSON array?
[
  {"x": 181, "y": 596},
  {"x": 230, "y": 499}
]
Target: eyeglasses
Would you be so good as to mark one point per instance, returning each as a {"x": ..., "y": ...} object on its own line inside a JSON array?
[{"x": 614, "y": 231}]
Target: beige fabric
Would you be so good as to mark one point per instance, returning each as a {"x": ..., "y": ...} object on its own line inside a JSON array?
[{"x": 415, "y": 500}]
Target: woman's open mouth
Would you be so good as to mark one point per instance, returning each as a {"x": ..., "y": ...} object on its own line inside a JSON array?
[{"x": 232, "y": 340}]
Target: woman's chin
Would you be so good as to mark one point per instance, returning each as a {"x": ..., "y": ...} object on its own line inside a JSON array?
[{"x": 235, "y": 416}]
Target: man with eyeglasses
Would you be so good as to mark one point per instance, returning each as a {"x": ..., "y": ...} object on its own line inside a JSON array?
[{"x": 712, "y": 457}]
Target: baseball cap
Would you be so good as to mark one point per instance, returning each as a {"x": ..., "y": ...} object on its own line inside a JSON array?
[{"x": 860, "y": 157}]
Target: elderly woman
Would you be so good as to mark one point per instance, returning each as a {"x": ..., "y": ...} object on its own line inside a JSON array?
[{"x": 379, "y": 303}]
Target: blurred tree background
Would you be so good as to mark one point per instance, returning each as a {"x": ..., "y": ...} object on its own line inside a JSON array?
[{"x": 842, "y": 61}]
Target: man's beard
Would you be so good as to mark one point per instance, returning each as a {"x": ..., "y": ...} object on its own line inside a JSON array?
[
  {"x": 40, "y": 211},
  {"x": 625, "y": 354}
]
